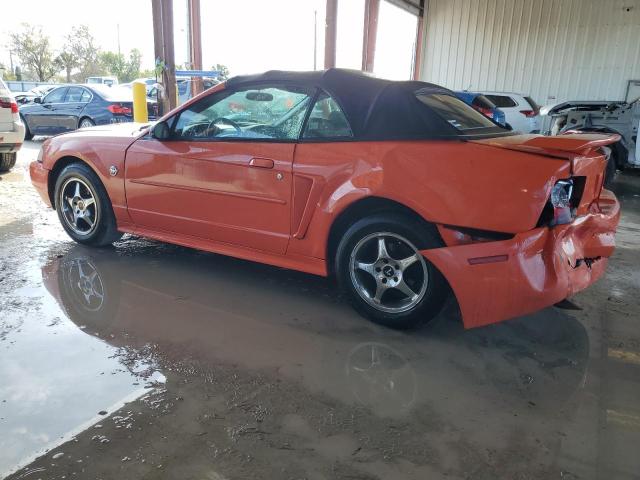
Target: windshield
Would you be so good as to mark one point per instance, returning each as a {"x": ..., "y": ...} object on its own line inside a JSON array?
[
  {"x": 272, "y": 112},
  {"x": 458, "y": 114}
]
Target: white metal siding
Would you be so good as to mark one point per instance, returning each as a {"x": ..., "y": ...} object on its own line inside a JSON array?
[{"x": 553, "y": 50}]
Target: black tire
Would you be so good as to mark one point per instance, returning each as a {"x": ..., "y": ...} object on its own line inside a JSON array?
[
  {"x": 88, "y": 122},
  {"x": 105, "y": 231},
  {"x": 617, "y": 157},
  {"x": 421, "y": 236},
  {"x": 7, "y": 161},
  {"x": 27, "y": 133}
]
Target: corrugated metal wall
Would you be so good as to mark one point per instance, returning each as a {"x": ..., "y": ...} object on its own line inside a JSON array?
[{"x": 551, "y": 49}]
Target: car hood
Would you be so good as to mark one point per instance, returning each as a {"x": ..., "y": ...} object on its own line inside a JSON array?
[{"x": 127, "y": 130}]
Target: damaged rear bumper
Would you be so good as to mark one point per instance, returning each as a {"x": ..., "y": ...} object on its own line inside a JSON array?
[{"x": 496, "y": 281}]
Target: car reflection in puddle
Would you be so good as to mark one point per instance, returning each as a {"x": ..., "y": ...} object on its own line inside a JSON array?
[
  {"x": 55, "y": 380},
  {"x": 223, "y": 311}
]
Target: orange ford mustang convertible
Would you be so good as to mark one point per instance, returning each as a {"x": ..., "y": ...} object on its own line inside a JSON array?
[{"x": 398, "y": 188}]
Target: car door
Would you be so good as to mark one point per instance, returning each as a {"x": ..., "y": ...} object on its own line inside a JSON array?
[
  {"x": 225, "y": 172},
  {"x": 69, "y": 111},
  {"x": 43, "y": 118}
]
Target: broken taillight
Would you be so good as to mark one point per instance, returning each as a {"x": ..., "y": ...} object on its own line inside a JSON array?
[{"x": 560, "y": 199}]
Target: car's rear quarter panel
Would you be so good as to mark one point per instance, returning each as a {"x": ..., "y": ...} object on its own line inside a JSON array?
[{"x": 446, "y": 182}]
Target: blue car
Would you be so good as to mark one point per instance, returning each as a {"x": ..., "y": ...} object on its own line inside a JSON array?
[
  {"x": 69, "y": 107},
  {"x": 483, "y": 105}
]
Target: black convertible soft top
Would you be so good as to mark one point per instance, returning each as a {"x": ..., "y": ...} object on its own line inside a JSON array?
[{"x": 376, "y": 109}]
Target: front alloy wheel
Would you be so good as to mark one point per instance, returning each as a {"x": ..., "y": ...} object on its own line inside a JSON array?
[
  {"x": 78, "y": 204},
  {"x": 83, "y": 206}
]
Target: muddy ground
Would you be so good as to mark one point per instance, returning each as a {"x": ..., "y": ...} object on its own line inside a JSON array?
[{"x": 149, "y": 361}]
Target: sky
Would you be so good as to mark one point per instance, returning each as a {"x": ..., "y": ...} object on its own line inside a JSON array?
[{"x": 246, "y": 35}]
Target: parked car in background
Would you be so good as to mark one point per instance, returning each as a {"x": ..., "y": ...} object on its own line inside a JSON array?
[
  {"x": 11, "y": 129},
  {"x": 69, "y": 107},
  {"x": 102, "y": 80},
  {"x": 185, "y": 88},
  {"x": 337, "y": 172},
  {"x": 27, "y": 97},
  {"x": 483, "y": 105},
  {"x": 149, "y": 82},
  {"x": 622, "y": 118},
  {"x": 522, "y": 112}
]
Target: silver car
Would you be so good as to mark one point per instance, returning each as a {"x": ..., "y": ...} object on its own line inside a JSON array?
[{"x": 11, "y": 129}]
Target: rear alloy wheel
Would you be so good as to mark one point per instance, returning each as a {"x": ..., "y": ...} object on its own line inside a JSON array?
[
  {"x": 380, "y": 267},
  {"x": 7, "y": 161},
  {"x": 86, "y": 123},
  {"x": 398, "y": 283},
  {"x": 84, "y": 208}
]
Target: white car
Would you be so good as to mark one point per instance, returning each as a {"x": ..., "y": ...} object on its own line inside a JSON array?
[
  {"x": 521, "y": 112},
  {"x": 11, "y": 129}
]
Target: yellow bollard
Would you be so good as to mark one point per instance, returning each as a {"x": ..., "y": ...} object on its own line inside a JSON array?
[{"x": 140, "y": 113}]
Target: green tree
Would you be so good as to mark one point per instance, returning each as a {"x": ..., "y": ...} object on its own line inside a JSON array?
[
  {"x": 126, "y": 70},
  {"x": 82, "y": 45},
  {"x": 34, "y": 51},
  {"x": 67, "y": 61},
  {"x": 224, "y": 71}
]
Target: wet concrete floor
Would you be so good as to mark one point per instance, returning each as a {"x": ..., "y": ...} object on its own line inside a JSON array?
[{"x": 150, "y": 361}]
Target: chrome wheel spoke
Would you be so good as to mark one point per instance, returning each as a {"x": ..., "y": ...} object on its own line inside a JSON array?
[
  {"x": 88, "y": 201},
  {"x": 382, "y": 249},
  {"x": 407, "y": 262},
  {"x": 406, "y": 289},
  {"x": 380, "y": 289},
  {"x": 88, "y": 220},
  {"x": 77, "y": 191},
  {"x": 366, "y": 267}
]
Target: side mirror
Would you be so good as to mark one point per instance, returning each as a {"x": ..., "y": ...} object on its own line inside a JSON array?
[
  {"x": 161, "y": 131},
  {"x": 37, "y": 100}
]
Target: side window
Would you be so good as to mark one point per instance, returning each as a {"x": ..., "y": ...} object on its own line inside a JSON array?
[
  {"x": 86, "y": 96},
  {"x": 327, "y": 120},
  {"x": 74, "y": 94},
  {"x": 269, "y": 112},
  {"x": 55, "y": 96},
  {"x": 502, "y": 101}
]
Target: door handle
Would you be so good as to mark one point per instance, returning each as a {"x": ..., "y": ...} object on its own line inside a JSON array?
[{"x": 261, "y": 163}]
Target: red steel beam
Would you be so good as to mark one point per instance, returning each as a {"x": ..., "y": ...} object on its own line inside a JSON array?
[
  {"x": 195, "y": 43},
  {"x": 369, "y": 34},
  {"x": 330, "y": 34},
  {"x": 169, "y": 54},
  {"x": 417, "y": 61}
]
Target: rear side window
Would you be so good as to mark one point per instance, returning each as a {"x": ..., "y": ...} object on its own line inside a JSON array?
[
  {"x": 86, "y": 96},
  {"x": 74, "y": 95},
  {"x": 327, "y": 120},
  {"x": 534, "y": 106},
  {"x": 502, "y": 101},
  {"x": 458, "y": 114},
  {"x": 483, "y": 102}
]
